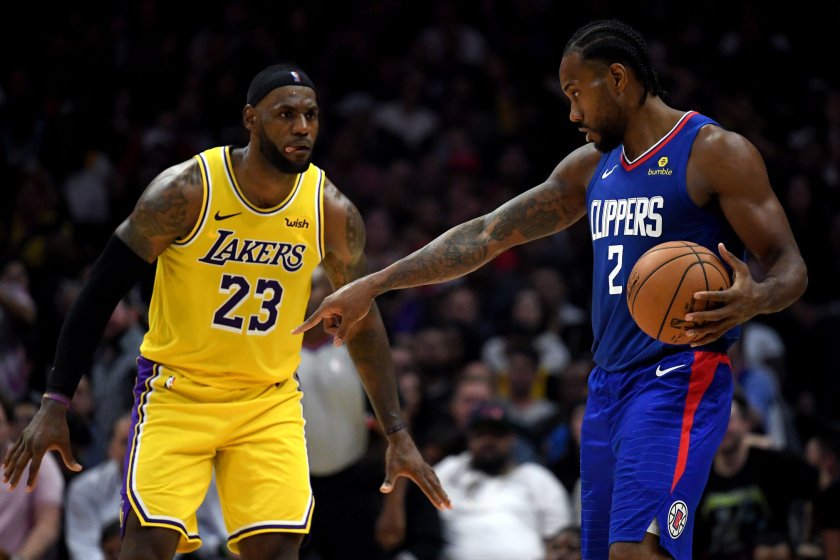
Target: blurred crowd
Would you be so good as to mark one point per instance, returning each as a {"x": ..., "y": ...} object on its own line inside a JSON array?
[{"x": 432, "y": 114}]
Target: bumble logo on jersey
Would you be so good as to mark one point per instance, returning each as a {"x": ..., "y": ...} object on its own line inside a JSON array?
[
  {"x": 663, "y": 161},
  {"x": 227, "y": 296}
]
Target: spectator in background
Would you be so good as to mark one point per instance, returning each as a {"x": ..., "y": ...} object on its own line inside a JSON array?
[
  {"x": 343, "y": 478},
  {"x": 565, "y": 546},
  {"x": 29, "y": 521},
  {"x": 568, "y": 320},
  {"x": 823, "y": 453},
  {"x": 93, "y": 507},
  {"x": 749, "y": 494},
  {"x": 406, "y": 119},
  {"x": 447, "y": 436},
  {"x": 564, "y": 449},
  {"x": 772, "y": 547},
  {"x": 436, "y": 364},
  {"x": 24, "y": 412},
  {"x": 461, "y": 310},
  {"x": 83, "y": 430},
  {"x": 574, "y": 384},
  {"x": 111, "y": 541},
  {"x": 114, "y": 369},
  {"x": 528, "y": 325},
  {"x": 500, "y": 510},
  {"x": 532, "y": 415},
  {"x": 17, "y": 312},
  {"x": 450, "y": 41},
  {"x": 759, "y": 388},
  {"x": 93, "y": 498}
]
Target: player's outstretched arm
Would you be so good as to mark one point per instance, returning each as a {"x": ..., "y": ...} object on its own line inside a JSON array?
[
  {"x": 167, "y": 210},
  {"x": 727, "y": 167},
  {"x": 367, "y": 343},
  {"x": 547, "y": 208}
]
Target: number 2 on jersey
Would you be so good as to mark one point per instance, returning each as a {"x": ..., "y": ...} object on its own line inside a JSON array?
[
  {"x": 268, "y": 290},
  {"x": 615, "y": 250}
]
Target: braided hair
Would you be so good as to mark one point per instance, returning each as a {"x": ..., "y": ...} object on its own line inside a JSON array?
[{"x": 614, "y": 41}]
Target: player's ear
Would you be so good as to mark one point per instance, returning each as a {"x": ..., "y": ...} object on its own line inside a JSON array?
[
  {"x": 249, "y": 118},
  {"x": 618, "y": 76}
]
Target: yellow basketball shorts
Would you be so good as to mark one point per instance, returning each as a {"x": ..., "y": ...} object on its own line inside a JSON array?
[{"x": 253, "y": 438}]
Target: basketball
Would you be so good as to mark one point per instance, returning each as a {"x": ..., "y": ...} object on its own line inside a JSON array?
[{"x": 661, "y": 288}]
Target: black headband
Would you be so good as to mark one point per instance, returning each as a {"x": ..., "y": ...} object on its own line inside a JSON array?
[{"x": 274, "y": 77}]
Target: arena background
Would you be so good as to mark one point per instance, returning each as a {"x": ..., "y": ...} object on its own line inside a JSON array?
[{"x": 431, "y": 114}]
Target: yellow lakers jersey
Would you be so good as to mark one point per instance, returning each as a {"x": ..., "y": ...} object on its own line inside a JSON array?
[{"x": 227, "y": 296}]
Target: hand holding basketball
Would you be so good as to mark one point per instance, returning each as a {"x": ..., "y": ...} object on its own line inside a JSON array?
[{"x": 740, "y": 303}]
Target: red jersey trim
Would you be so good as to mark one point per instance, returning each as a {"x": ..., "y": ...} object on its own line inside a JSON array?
[{"x": 656, "y": 147}]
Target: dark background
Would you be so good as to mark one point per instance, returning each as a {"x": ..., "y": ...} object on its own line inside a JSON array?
[{"x": 95, "y": 102}]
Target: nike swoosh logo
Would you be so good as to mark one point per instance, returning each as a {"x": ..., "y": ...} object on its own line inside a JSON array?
[
  {"x": 660, "y": 372},
  {"x": 607, "y": 173},
  {"x": 220, "y": 218}
]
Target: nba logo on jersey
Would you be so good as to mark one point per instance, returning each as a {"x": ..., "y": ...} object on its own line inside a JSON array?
[
  {"x": 296, "y": 76},
  {"x": 677, "y": 517},
  {"x": 170, "y": 382}
]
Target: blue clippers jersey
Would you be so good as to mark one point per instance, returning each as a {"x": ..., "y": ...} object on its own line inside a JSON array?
[{"x": 632, "y": 208}]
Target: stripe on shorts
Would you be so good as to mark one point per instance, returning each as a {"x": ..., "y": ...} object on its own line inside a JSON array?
[{"x": 136, "y": 443}]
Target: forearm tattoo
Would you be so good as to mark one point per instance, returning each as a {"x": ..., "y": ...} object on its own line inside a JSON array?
[{"x": 541, "y": 211}]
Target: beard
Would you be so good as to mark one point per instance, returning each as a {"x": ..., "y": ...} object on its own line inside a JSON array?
[
  {"x": 275, "y": 157},
  {"x": 611, "y": 127},
  {"x": 492, "y": 465}
]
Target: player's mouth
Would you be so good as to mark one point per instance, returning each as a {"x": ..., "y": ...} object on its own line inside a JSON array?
[
  {"x": 294, "y": 148},
  {"x": 587, "y": 132}
]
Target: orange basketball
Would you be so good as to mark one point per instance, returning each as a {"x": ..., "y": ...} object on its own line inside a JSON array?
[{"x": 661, "y": 288}]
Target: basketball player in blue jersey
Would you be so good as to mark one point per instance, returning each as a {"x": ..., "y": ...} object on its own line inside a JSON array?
[{"x": 648, "y": 174}]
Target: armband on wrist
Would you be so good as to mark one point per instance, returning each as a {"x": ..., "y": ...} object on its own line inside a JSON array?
[
  {"x": 57, "y": 397},
  {"x": 395, "y": 429}
]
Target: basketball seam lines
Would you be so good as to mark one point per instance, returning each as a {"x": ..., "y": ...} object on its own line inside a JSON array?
[
  {"x": 706, "y": 278},
  {"x": 633, "y": 310},
  {"x": 722, "y": 275},
  {"x": 676, "y": 291}
]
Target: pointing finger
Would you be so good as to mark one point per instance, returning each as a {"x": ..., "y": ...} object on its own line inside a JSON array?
[{"x": 313, "y": 320}]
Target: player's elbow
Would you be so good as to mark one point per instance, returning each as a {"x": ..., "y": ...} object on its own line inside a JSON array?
[
  {"x": 800, "y": 274},
  {"x": 803, "y": 278}
]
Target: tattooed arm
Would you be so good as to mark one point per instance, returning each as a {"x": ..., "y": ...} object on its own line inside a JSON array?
[
  {"x": 167, "y": 210},
  {"x": 543, "y": 210},
  {"x": 344, "y": 262}
]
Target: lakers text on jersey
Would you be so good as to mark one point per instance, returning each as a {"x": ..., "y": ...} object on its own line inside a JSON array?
[{"x": 227, "y": 296}]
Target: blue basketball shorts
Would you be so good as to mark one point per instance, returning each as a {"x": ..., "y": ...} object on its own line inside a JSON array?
[{"x": 648, "y": 440}]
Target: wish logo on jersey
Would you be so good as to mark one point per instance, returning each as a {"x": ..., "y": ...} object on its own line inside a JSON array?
[
  {"x": 253, "y": 251},
  {"x": 627, "y": 216}
]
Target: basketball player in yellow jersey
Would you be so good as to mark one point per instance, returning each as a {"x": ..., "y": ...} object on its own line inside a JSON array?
[{"x": 236, "y": 234}]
